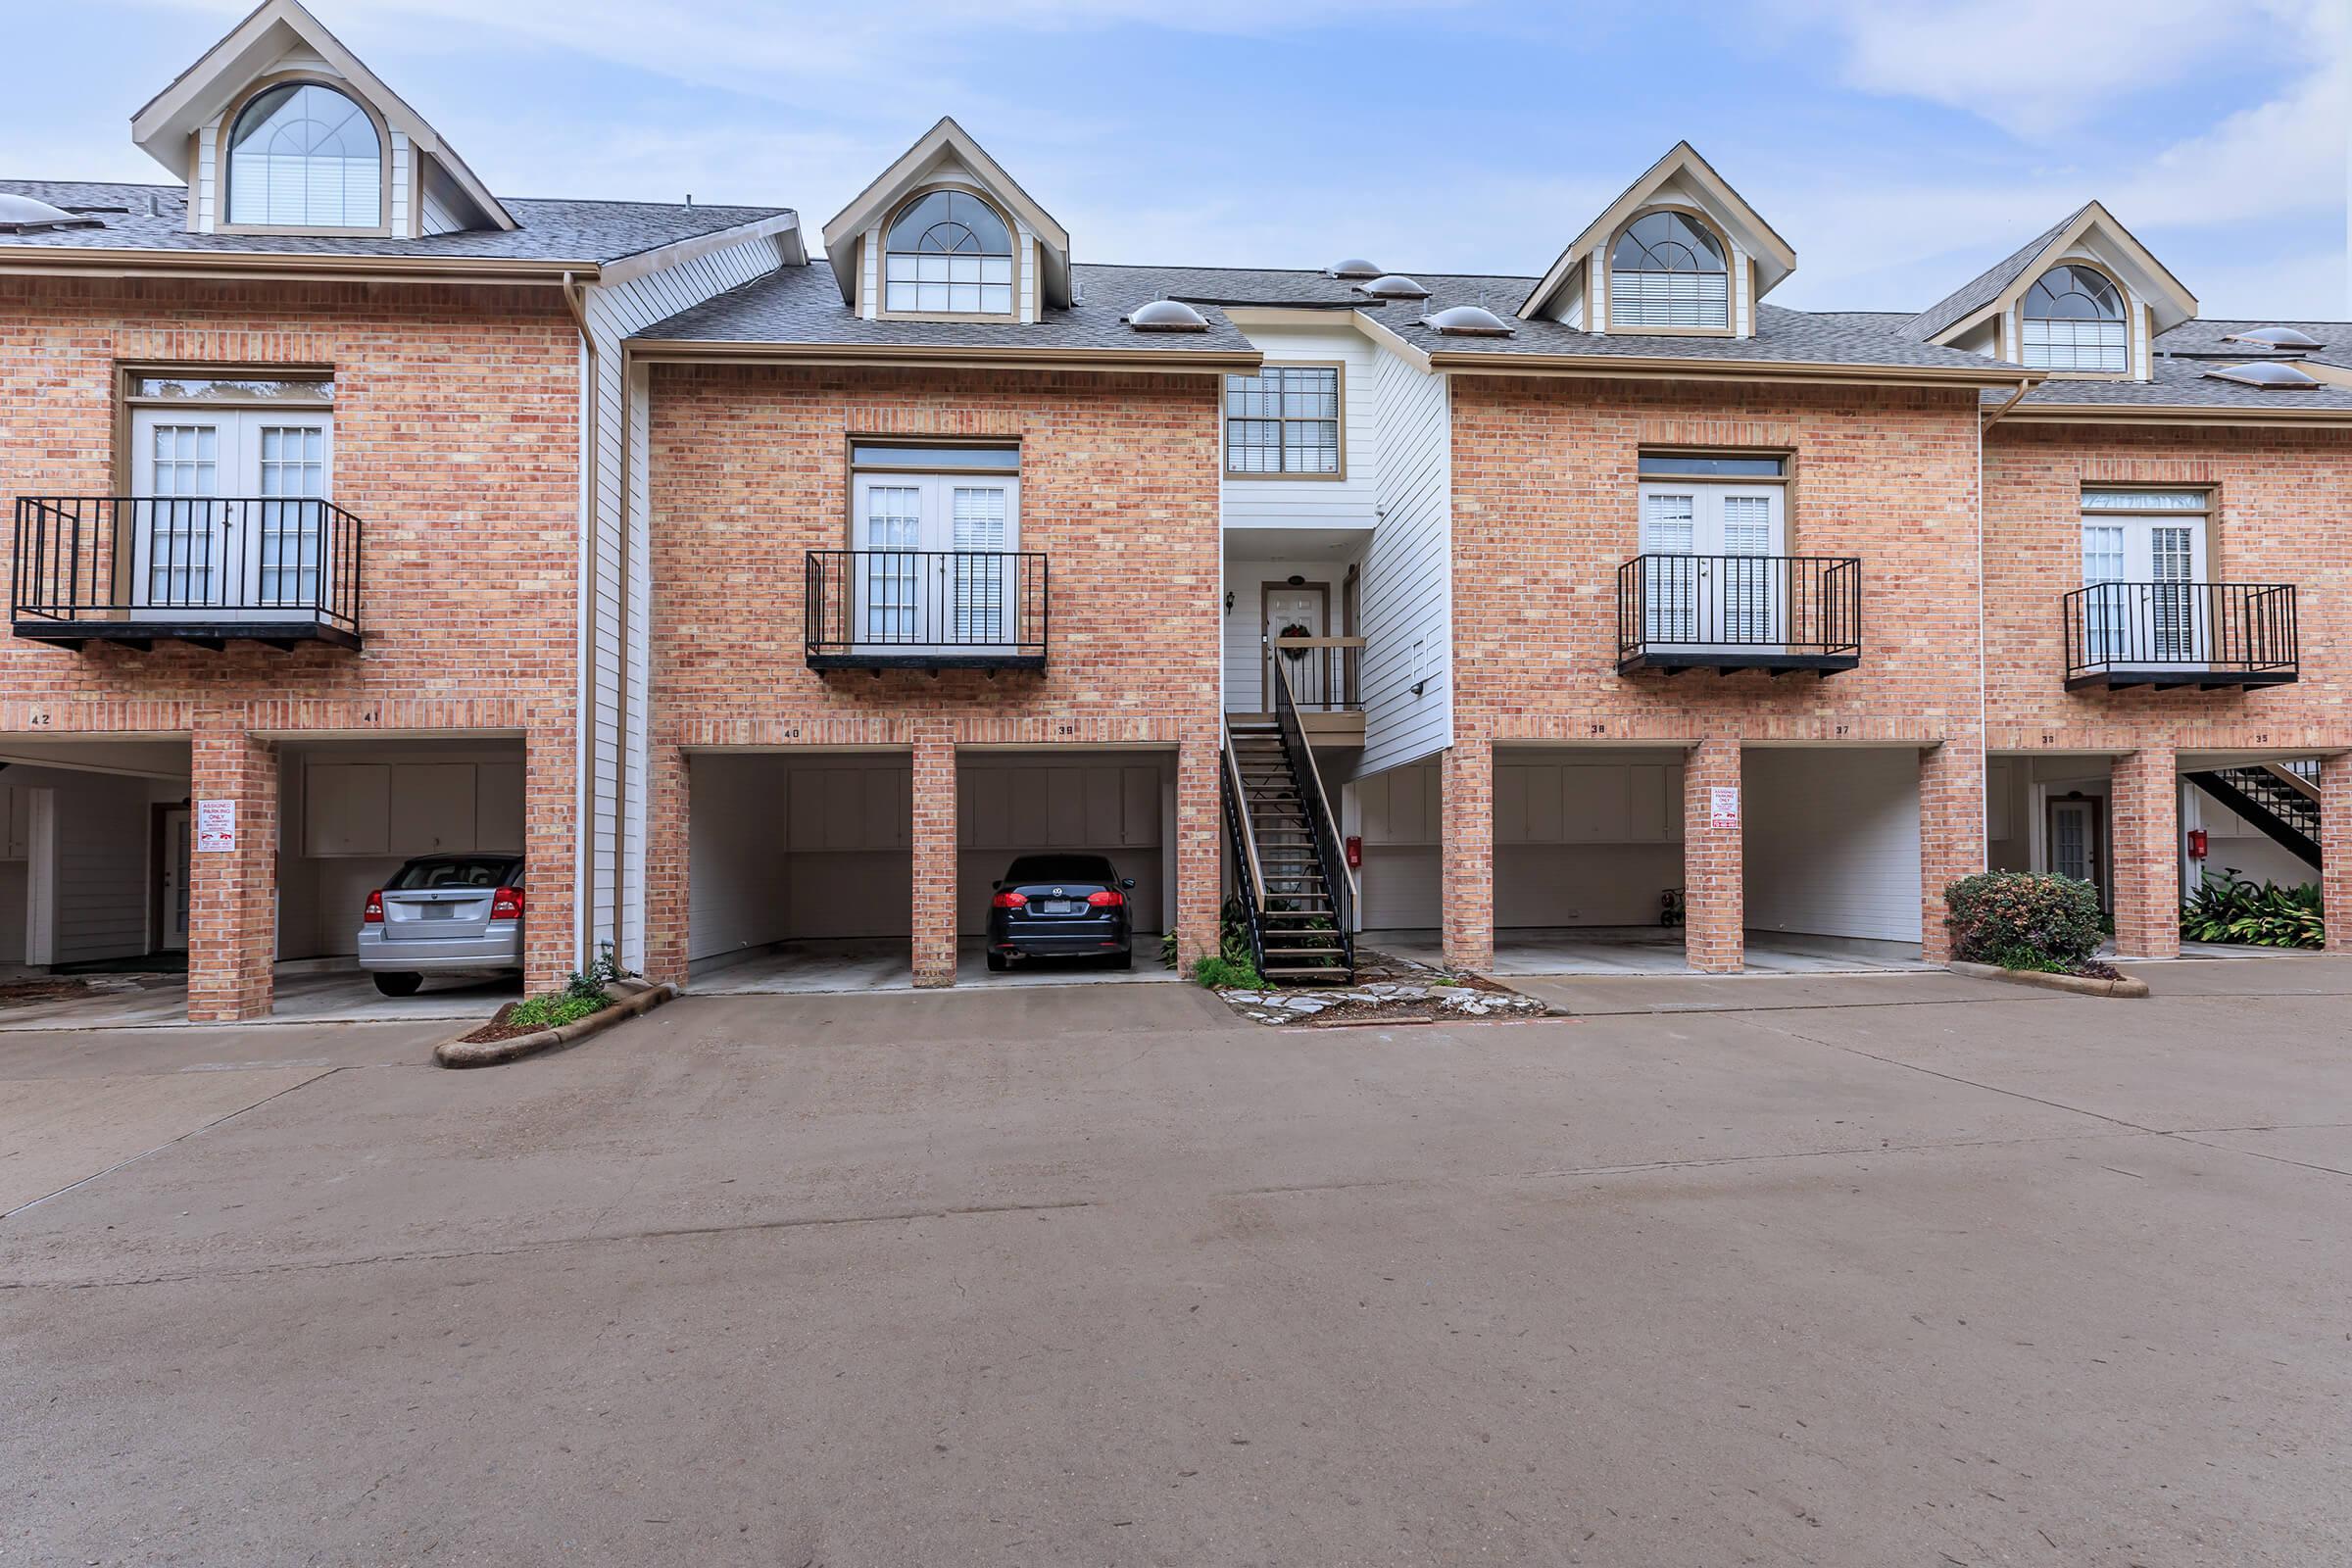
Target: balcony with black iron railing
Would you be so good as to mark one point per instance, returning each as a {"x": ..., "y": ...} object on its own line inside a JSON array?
[
  {"x": 2209, "y": 636},
  {"x": 928, "y": 610},
  {"x": 1781, "y": 613},
  {"x": 137, "y": 570}
]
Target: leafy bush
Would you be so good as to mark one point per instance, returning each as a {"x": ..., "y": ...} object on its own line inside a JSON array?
[
  {"x": 1225, "y": 974},
  {"x": 588, "y": 985},
  {"x": 2230, "y": 908},
  {"x": 550, "y": 1009},
  {"x": 2023, "y": 920}
]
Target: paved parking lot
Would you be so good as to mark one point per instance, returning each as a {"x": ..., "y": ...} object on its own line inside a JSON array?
[{"x": 1866, "y": 1270}]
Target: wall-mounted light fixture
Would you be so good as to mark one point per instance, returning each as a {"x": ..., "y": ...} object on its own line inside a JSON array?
[{"x": 1228, "y": 601}]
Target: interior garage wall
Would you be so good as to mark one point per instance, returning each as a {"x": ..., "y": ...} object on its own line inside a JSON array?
[
  {"x": 352, "y": 814},
  {"x": 1831, "y": 842},
  {"x": 1396, "y": 814},
  {"x": 739, "y": 870},
  {"x": 1020, "y": 803},
  {"x": 15, "y": 849},
  {"x": 1586, "y": 839},
  {"x": 99, "y": 872},
  {"x": 783, "y": 848}
]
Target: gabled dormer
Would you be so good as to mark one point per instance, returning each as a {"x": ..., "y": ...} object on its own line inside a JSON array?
[
  {"x": 945, "y": 235},
  {"x": 279, "y": 130},
  {"x": 2083, "y": 297},
  {"x": 1680, "y": 253}
]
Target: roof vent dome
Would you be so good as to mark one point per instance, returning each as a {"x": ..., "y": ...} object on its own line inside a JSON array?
[
  {"x": 1353, "y": 267},
  {"x": 2275, "y": 337},
  {"x": 1167, "y": 315},
  {"x": 24, "y": 215},
  {"x": 1392, "y": 286},
  {"x": 1467, "y": 321},
  {"x": 2270, "y": 375}
]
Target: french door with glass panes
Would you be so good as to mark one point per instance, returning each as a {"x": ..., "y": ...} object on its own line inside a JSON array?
[
  {"x": 1714, "y": 580},
  {"x": 2143, "y": 561},
  {"x": 935, "y": 570},
  {"x": 226, "y": 517}
]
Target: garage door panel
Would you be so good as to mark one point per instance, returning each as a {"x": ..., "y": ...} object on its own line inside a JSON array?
[
  {"x": 1544, "y": 822},
  {"x": 433, "y": 807},
  {"x": 1510, "y": 804},
  {"x": 882, "y": 824},
  {"x": 1140, "y": 816},
  {"x": 1065, "y": 807},
  {"x": 1594, "y": 801},
  {"x": 498, "y": 814},
  {"x": 1104, "y": 820}
]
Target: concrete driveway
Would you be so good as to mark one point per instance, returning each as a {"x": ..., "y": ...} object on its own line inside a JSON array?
[{"x": 1895, "y": 1270}]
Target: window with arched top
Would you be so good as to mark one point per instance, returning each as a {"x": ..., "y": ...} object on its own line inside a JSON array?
[
  {"x": 1667, "y": 269},
  {"x": 947, "y": 253},
  {"x": 2073, "y": 320},
  {"x": 302, "y": 155}
]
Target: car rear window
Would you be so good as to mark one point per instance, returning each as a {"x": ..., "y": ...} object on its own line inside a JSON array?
[
  {"x": 1062, "y": 868},
  {"x": 466, "y": 871}
]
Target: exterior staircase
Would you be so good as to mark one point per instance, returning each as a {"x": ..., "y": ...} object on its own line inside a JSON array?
[
  {"x": 1294, "y": 880},
  {"x": 2279, "y": 801}
]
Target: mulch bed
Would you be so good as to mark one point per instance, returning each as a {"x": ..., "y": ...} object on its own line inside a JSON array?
[
  {"x": 498, "y": 1028},
  {"x": 25, "y": 993}
]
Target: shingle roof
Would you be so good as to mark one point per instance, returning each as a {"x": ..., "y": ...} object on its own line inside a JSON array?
[
  {"x": 803, "y": 305},
  {"x": 2181, "y": 382},
  {"x": 551, "y": 231},
  {"x": 1987, "y": 286}
]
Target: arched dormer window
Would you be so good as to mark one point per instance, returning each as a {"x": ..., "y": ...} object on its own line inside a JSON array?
[
  {"x": 947, "y": 253},
  {"x": 302, "y": 155},
  {"x": 1668, "y": 269},
  {"x": 2073, "y": 320}
]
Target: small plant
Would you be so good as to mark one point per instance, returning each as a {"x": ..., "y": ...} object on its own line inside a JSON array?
[
  {"x": 551, "y": 1008},
  {"x": 1167, "y": 951},
  {"x": 588, "y": 985},
  {"x": 2231, "y": 908},
  {"x": 1224, "y": 974},
  {"x": 2025, "y": 920}
]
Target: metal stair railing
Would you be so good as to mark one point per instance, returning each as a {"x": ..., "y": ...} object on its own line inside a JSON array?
[
  {"x": 2286, "y": 812},
  {"x": 1339, "y": 879},
  {"x": 1243, "y": 838}
]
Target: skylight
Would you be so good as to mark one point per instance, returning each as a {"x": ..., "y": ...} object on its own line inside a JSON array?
[
  {"x": 1353, "y": 268},
  {"x": 1167, "y": 315},
  {"x": 2275, "y": 337},
  {"x": 1466, "y": 320},
  {"x": 24, "y": 215},
  {"x": 1393, "y": 286},
  {"x": 2270, "y": 375}
]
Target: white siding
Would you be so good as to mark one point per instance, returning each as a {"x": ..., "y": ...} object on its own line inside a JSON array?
[
  {"x": 1291, "y": 502},
  {"x": 444, "y": 209},
  {"x": 1743, "y": 306},
  {"x": 1831, "y": 842},
  {"x": 616, "y": 759},
  {"x": 403, "y": 172},
  {"x": 1246, "y": 580},
  {"x": 1405, "y": 593},
  {"x": 206, "y": 204},
  {"x": 1396, "y": 814}
]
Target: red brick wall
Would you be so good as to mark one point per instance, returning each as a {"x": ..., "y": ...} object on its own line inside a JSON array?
[
  {"x": 456, "y": 443},
  {"x": 2281, "y": 516},
  {"x": 749, "y": 470}
]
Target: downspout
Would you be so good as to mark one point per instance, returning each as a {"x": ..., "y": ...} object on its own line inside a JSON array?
[
  {"x": 621, "y": 696},
  {"x": 584, "y": 892},
  {"x": 2025, "y": 385}
]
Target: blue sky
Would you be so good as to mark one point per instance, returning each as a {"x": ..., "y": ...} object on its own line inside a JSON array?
[{"x": 1899, "y": 146}]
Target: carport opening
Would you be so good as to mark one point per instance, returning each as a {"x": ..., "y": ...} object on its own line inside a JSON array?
[
  {"x": 351, "y": 815},
  {"x": 1588, "y": 860},
  {"x": 2051, "y": 814},
  {"x": 799, "y": 870},
  {"x": 1831, "y": 852},
  {"x": 1118, "y": 804},
  {"x": 93, "y": 857}
]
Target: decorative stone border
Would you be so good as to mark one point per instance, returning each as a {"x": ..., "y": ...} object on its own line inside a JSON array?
[
  {"x": 460, "y": 1051},
  {"x": 2078, "y": 985}
]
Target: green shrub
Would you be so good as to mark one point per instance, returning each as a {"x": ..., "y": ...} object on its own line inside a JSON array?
[
  {"x": 550, "y": 1009},
  {"x": 2023, "y": 920},
  {"x": 2230, "y": 908},
  {"x": 1225, "y": 974}
]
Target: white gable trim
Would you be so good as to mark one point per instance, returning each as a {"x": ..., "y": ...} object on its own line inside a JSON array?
[
  {"x": 945, "y": 154},
  {"x": 2096, "y": 238},
  {"x": 1699, "y": 185}
]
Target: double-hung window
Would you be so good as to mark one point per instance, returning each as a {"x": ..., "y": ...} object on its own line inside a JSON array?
[{"x": 1283, "y": 420}]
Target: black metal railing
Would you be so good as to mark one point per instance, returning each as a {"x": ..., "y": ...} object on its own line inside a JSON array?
[
  {"x": 1338, "y": 883},
  {"x": 1795, "y": 606},
  {"x": 1243, "y": 840},
  {"x": 1326, "y": 673},
  {"x": 926, "y": 607},
  {"x": 2187, "y": 634},
  {"x": 198, "y": 561}
]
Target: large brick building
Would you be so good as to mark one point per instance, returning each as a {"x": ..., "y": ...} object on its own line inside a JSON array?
[{"x": 766, "y": 601}]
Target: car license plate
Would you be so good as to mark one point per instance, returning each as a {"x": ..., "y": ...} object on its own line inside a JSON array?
[
  {"x": 440, "y": 911},
  {"x": 1058, "y": 907}
]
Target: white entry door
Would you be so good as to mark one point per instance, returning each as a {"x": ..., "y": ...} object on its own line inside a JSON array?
[
  {"x": 172, "y": 934},
  {"x": 2146, "y": 604},
  {"x": 1711, "y": 593},
  {"x": 224, "y": 519},
  {"x": 936, "y": 567},
  {"x": 1287, "y": 608}
]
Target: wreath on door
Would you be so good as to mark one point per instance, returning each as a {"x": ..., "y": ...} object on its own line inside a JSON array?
[{"x": 1294, "y": 629}]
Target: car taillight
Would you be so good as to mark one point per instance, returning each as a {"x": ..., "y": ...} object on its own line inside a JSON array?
[
  {"x": 1011, "y": 901},
  {"x": 373, "y": 914},
  {"x": 1106, "y": 899},
  {"x": 507, "y": 905}
]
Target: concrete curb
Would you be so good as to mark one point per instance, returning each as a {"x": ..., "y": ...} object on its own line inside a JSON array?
[
  {"x": 2078, "y": 985},
  {"x": 458, "y": 1052}
]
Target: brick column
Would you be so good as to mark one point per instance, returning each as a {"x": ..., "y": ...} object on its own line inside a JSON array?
[
  {"x": 2336, "y": 850},
  {"x": 1951, "y": 833},
  {"x": 550, "y": 850},
  {"x": 2145, "y": 854},
  {"x": 934, "y": 842},
  {"x": 232, "y": 894},
  {"x": 1466, "y": 852},
  {"x": 1200, "y": 847},
  {"x": 668, "y": 864},
  {"x": 1714, "y": 887}
]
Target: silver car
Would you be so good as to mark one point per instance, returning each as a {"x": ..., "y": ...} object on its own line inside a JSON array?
[{"x": 443, "y": 913}]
